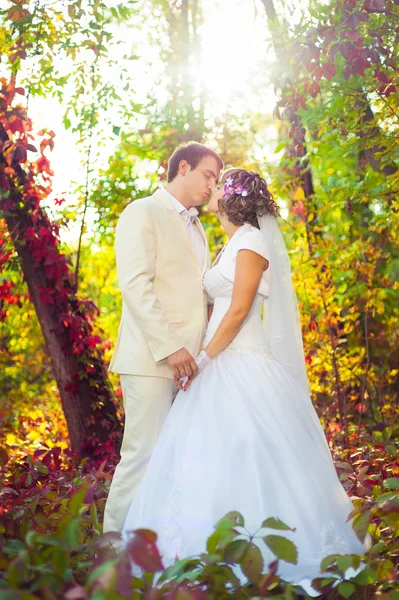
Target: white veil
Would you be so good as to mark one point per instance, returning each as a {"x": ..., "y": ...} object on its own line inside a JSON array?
[{"x": 281, "y": 315}]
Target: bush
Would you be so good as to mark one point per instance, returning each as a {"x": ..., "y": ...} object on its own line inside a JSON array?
[{"x": 51, "y": 510}]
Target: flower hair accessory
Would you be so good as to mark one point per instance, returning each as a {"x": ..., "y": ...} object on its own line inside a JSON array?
[{"x": 230, "y": 188}]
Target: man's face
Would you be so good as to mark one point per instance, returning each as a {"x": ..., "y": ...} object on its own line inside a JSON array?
[
  {"x": 217, "y": 193},
  {"x": 199, "y": 182}
]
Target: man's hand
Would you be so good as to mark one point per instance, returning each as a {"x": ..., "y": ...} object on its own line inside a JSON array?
[
  {"x": 182, "y": 363},
  {"x": 183, "y": 384}
]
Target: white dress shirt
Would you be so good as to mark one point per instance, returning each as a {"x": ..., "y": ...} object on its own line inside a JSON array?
[{"x": 189, "y": 216}]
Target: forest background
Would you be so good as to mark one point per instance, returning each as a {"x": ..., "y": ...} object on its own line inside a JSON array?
[{"x": 94, "y": 98}]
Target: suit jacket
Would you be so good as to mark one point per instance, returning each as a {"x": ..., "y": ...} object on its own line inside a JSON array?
[{"x": 164, "y": 305}]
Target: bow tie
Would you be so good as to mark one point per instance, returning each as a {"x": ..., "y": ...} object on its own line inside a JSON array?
[{"x": 189, "y": 215}]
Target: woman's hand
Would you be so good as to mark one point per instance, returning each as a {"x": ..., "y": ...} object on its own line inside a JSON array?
[{"x": 202, "y": 361}]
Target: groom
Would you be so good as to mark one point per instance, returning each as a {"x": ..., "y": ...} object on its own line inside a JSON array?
[{"x": 161, "y": 255}]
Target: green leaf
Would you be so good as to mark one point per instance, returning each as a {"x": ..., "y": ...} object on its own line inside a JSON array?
[
  {"x": 386, "y": 570},
  {"x": 377, "y": 548},
  {"x": 76, "y": 502},
  {"x": 94, "y": 516},
  {"x": 273, "y": 523},
  {"x": 230, "y": 520},
  {"x": 60, "y": 561},
  {"x": 252, "y": 563},
  {"x": 235, "y": 551},
  {"x": 180, "y": 568},
  {"x": 41, "y": 468},
  {"x": 328, "y": 561},
  {"x": 360, "y": 524},
  {"x": 392, "y": 520},
  {"x": 14, "y": 573},
  {"x": 280, "y": 147},
  {"x": 72, "y": 531},
  {"x": 219, "y": 539},
  {"x": 366, "y": 577},
  {"x": 346, "y": 589},
  {"x": 282, "y": 548},
  {"x": 30, "y": 539},
  {"x": 392, "y": 483},
  {"x": 101, "y": 570},
  {"x": 348, "y": 561}
]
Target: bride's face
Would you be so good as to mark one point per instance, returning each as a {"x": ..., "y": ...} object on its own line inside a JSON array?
[{"x": 217, "y": 193}]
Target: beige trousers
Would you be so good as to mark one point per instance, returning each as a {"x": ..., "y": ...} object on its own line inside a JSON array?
[{"x": 146, "y": 401}]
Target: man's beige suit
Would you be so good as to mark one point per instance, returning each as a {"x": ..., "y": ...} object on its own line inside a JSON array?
[{"x": 164, "y": 309}]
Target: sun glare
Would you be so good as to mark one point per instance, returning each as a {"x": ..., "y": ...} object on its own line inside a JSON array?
[{"x": 233, "y": 46}]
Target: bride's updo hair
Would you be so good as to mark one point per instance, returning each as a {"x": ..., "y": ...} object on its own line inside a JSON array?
[{"x": 246, "y": 196}]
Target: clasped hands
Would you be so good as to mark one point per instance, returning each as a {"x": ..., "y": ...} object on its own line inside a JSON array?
[{"x": 185, "y": 367}]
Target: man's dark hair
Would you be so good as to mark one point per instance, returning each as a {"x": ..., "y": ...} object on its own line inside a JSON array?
[{"x": 193, "y": 153}]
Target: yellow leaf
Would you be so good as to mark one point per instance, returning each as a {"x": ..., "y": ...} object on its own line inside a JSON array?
[
  {"x": 299, "y": 194},
  {"x": 11, "y": 439}
]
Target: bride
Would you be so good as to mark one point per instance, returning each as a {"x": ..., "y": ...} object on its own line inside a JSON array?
[{"x": 243, "y": 434}]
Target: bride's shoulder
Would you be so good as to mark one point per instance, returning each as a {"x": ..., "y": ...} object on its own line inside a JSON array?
[
  {"x": 254, "y": 230},
  {"x": 250, "y": 232},
  {"x": 252, "y": 239}
]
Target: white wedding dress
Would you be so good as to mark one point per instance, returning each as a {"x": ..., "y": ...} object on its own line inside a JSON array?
[{"x": 244, "y": 437}]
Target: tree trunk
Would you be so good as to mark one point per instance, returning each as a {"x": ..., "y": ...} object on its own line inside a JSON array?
[
  {"x": 303, "y": 173},
  {"x": 79, "y": 371}
]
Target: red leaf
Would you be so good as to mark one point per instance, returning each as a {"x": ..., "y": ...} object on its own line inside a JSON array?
[
  {"x": 355, "y": 18},
  {"x": 89, "y": 496},
  {"x": 314, "y": 89},
  {"x": 31, "y": 148},
  {"x": 354, "y": 34},
  {"x": 43, "y": 165},
  {"x": 333, "y": 50},
  {"x": 143, "y": 550},
  {"x": 348, "y": 50},
  {"x": 388, "y": 90},
  {"x": 347, "y": 72},
  {"x": 8, "y": 171},
  {"x": 15, "y": 13},
  {"x": 20, "y": 155},
  {"x": 318, "y": 74},
  {"x": 374, "y": 5},
  {"x": 329, "y": 70},
  {"x": 17, "y": 124},
  {"x": 381, "y": 76}
]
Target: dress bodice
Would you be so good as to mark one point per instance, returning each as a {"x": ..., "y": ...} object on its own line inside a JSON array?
[{"x": 219, "y": 283}]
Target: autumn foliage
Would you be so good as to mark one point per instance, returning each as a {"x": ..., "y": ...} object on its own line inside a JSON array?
[{"x": 335, "y": 174}]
